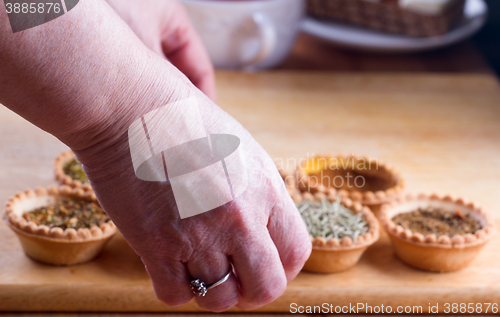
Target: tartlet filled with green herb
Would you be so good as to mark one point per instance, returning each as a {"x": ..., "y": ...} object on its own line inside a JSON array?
[
  {"x": 69, "y": 171},
  {"x": 60, "y": 226},
  {"x": 435, "y": 233},
  {"x": 340, "y": 231}
]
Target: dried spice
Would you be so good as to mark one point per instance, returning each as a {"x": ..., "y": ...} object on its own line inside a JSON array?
[
  {"x": 68, "y": 213},
  {"x": 74, "y": 170},
  {"x": 331, "y": 220},
  {"x": 437, "y": 221}
]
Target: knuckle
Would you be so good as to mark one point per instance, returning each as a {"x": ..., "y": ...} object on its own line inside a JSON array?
[
  {"x": 219, "y": 304},
  {"x": 178, "y": 39},
  {"x": 298, "y": 255},
  {"x": 173, "y": 300},
  {"x": 267, "y": 293},
  {"x": 172, "y": 297}
]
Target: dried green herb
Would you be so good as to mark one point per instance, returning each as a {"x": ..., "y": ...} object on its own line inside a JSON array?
[
  {"x": 74, "y": 170},
  {"x": 68, "y": 213},
  {"x": 437, "y": 221},
  {"x": 331, "y": 220}
]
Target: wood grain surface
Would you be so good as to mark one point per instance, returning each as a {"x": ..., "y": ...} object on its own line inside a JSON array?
[{"x": 440, "y": 131}]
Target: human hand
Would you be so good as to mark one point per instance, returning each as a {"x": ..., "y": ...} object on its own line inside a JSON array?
[
  {"x": 164, "y": 27},
  {"x": 87, "y": 90},
  {"x": 260, "y": 232}
]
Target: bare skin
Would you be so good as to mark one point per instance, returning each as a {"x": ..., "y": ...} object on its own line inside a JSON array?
[
  {"x": 85, "y": 77},
  {"x": 163, "y": 26}
]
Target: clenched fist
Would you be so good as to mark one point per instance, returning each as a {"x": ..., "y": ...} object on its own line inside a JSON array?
[{"x": 85, "y": 78}]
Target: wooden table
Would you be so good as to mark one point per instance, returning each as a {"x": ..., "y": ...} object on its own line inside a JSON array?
[{"x": 441, "y": 131}]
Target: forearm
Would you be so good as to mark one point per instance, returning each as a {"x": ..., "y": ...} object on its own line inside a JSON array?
[
  {"x": 85, "y": 78},
  {"x": 76, "y": 75}
]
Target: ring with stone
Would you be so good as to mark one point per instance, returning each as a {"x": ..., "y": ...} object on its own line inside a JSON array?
[{"x": 200, "y": 288}]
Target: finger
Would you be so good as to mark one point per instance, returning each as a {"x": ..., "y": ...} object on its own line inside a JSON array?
[
  {"x": 170, "y": 281},
  {"x": 259, "y": 270},
  {"x": 185, "y": 50},
  {"x": 289, "y": 234},
  {"x": 210, "y": 267}
]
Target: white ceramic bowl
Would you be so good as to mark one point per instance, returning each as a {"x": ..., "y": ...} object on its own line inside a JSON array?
[{"x": 251, "y": 34}]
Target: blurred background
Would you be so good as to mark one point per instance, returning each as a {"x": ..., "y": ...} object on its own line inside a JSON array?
[
  {"x": 246, "y": 35},
  {"x": 487, "y": 38}
]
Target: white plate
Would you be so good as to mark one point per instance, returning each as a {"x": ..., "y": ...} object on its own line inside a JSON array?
[{"x": 362, "y": 39}]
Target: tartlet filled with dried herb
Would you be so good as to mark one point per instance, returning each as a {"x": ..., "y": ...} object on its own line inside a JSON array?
[
  {"x": 435, "y": 220},
  {"x": 332, "y": 220},
  {"x": 74, "y": 170},
  {"x": 340, "y": 231},
  {"x": 436, "y": 233},
  {"x": 61, "y": 226},
  {"x": 68, "y": 213},
  {"x": 361, "y": 179},
  {"x": 69, "y": 171}
]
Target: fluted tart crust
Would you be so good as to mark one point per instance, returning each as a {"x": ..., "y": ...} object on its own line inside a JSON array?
[
  {"x": 290, "y": 182},
  {"x": 55, "y": 245},
  {"x": 334, "y": 255},
  {"x": 61, "y": 177},
  {"x": 436, "y": 252},
  {"x": 322, "y": 174}
]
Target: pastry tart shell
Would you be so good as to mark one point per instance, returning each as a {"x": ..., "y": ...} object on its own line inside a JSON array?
[
  {"x": 64, "y": 179},
  {"x": 383, "y": 184},
  {"x": 55, "y": 245},
  {"x": 333, "y": 255},
  {"x": 290, "y": 183},
  {"x": 437, "y": 253}
]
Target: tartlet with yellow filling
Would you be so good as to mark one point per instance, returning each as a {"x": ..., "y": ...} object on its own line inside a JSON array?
[
  {"x": 361, "y": 179},
  {"x": 290, "y": 183}
]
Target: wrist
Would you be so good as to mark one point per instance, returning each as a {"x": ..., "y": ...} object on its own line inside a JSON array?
[
  {"x": 102, "y": 145},
  {"x": 84, "y": 69}
]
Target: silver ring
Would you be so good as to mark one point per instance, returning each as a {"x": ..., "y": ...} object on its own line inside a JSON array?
[{"x": 200, "y": 288}]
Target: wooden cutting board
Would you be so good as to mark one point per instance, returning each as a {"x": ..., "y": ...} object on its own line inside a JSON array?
[{"x": 441, "y": 131}]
